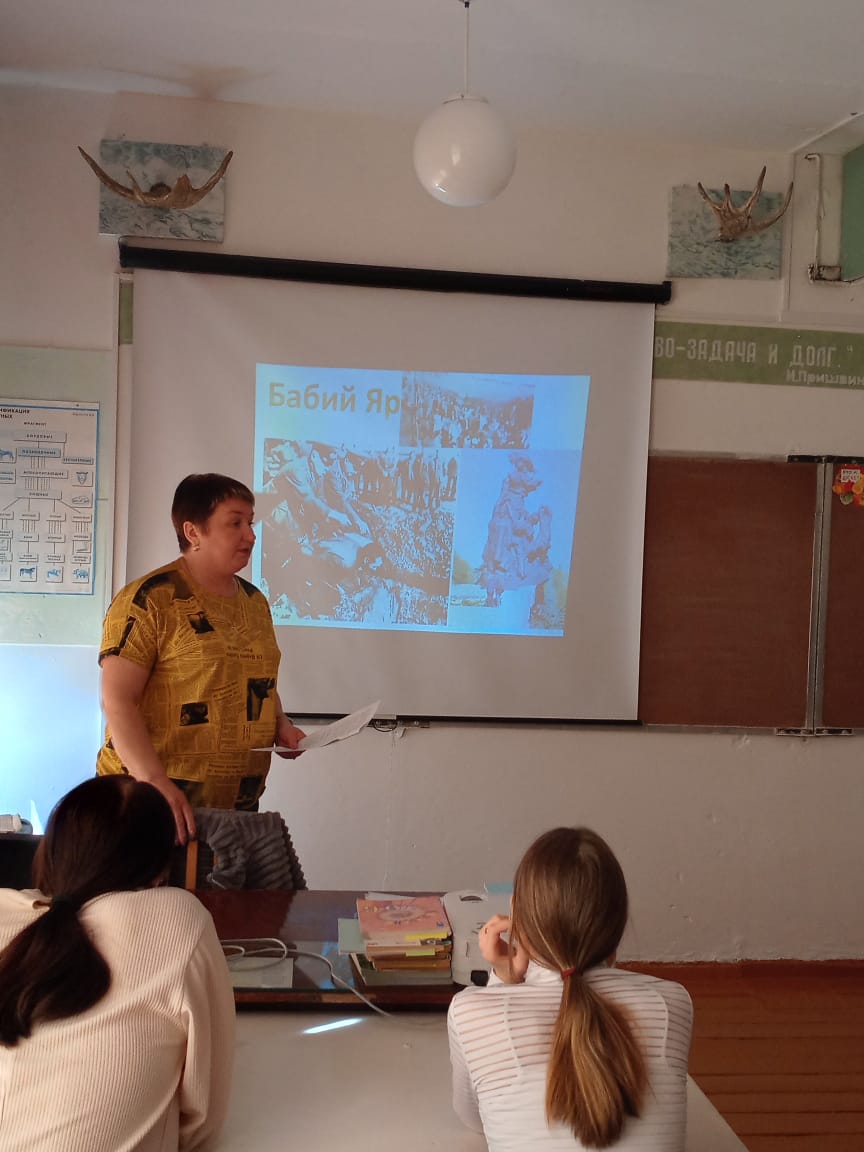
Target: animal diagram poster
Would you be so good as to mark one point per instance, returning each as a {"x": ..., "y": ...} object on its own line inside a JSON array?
[{"x": 48, "y": 452}]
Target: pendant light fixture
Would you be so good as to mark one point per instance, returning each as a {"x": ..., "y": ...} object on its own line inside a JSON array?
[{"x": 464, "y": 153}]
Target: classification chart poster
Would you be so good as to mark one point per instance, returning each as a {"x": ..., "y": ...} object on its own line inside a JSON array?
[{"x": 48, "y": 486}]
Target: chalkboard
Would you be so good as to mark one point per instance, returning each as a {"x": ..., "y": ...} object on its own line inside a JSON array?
[{"x": 727, "y": 591}]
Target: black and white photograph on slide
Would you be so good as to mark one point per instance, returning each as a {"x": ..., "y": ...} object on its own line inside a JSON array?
[
  {"x": 353, "y": 537},
  {"x": 492, "y": 413}
]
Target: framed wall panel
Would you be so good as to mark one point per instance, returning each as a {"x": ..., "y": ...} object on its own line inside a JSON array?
[{"x": 727, "y": 588}]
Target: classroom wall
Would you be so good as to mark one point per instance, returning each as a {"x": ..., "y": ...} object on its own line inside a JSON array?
[{"x": 736, "y": 845}]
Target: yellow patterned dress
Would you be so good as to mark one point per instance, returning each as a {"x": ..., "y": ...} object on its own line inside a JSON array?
[{"x": 211, "y": 695}]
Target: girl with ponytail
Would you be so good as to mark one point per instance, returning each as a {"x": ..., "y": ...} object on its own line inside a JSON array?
[
  {"x": 561, "y": 1050},
  {"x": 116, "y": 1006}
]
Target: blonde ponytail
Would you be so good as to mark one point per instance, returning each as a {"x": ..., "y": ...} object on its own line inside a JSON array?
[
  {"x": 569, "y": 913},
  {"x": 596, "y": 1076}
]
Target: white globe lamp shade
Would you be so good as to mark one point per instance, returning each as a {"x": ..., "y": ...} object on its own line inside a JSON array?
[{"x": 464, "y": 153}]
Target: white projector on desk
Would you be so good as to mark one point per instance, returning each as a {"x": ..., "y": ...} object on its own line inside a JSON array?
[{"x": 468, "y": 910}]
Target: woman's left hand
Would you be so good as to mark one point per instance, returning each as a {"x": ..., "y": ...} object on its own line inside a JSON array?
[
  {"x": 288, "y": 736},
  {"x": 509, "y": 961}
]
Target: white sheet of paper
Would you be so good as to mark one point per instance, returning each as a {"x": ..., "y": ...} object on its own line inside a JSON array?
[
  {"x": 255, "y": 972},
  {"x": 338, "y": 730}
]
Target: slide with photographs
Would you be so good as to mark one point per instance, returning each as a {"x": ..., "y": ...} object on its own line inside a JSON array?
[{"x": 440, "y": 502}]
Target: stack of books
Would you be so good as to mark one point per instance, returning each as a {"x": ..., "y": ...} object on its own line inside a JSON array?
[{"x": 402, "y": 940}]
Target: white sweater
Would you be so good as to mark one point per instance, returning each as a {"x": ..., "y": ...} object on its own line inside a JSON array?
[
  {"x": 500, "y": 1039},
  {"x": 148, "y": 1068}
]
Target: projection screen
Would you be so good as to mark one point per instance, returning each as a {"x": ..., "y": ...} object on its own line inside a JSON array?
[{"x": 450, "y": 487}]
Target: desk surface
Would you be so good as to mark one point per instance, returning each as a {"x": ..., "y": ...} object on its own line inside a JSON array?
[
  {"x": 375, "y": 1086},
  {"x": 307, "y": 921},
  {"x": 287, "y": 1070}
]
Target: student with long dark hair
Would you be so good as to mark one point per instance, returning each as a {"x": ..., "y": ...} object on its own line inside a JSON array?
[
  {"x": 561, "y": 1050},
  {"x": 116, "y": 1007}
]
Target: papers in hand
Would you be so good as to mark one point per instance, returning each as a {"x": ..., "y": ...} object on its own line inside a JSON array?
[{"x": 338, "y": 730}]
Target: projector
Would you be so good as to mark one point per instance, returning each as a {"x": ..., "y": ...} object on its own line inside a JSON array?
[{"x": 467, "y": 911}]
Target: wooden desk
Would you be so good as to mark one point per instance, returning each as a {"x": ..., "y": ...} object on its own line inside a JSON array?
[
  {"x": 307, "y": 921},
  {"x": 394, "y": 1074}
]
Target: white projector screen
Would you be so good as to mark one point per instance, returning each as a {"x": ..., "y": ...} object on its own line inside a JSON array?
[{"x": 450, "y": 487}]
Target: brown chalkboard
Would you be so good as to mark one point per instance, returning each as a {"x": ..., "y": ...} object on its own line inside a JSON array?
[
  {"x": 843, "y": 678},
  {"x": 727, "y": 591}
]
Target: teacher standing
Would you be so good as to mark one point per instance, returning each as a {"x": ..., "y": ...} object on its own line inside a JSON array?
[{"x": 190, "y": 662}]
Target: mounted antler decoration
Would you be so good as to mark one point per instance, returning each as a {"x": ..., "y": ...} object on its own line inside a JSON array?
[
  {"x": 736, "y": 223},
  {"x": 181, "y": 196}
]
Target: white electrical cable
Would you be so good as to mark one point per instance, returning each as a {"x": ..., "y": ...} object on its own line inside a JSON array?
[{"x": 264, "y": 947}]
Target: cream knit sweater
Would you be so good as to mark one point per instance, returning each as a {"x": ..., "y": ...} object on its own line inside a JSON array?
[{"x": 148, "y": 1068}]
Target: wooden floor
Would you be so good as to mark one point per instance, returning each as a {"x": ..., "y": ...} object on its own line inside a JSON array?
[{"x": 778, "y": 1048}]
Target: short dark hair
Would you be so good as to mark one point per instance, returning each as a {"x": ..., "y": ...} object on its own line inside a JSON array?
[
  {"x": 110, "y": 834},
  {"x": 198, "y": 495}
]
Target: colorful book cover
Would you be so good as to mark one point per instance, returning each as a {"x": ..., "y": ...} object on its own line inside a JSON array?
[
  {"x": 412, "y": 919},
  {"x": 372, "y": 977},
  {"x": 433, "y": 948},
  {"x": 410, "y": 963},
  {"x": 351, "y": 940}
]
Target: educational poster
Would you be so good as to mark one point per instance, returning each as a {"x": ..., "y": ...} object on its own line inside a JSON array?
[
  {"x": 849, "y": 484},
  {"x": 741, "y": 354},
  {"x": 48, "y": 485},
  {"x": 49, "y": 643}
]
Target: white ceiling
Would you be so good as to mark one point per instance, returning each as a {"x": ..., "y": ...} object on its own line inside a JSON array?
[{"x": 754, "y": 74}]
